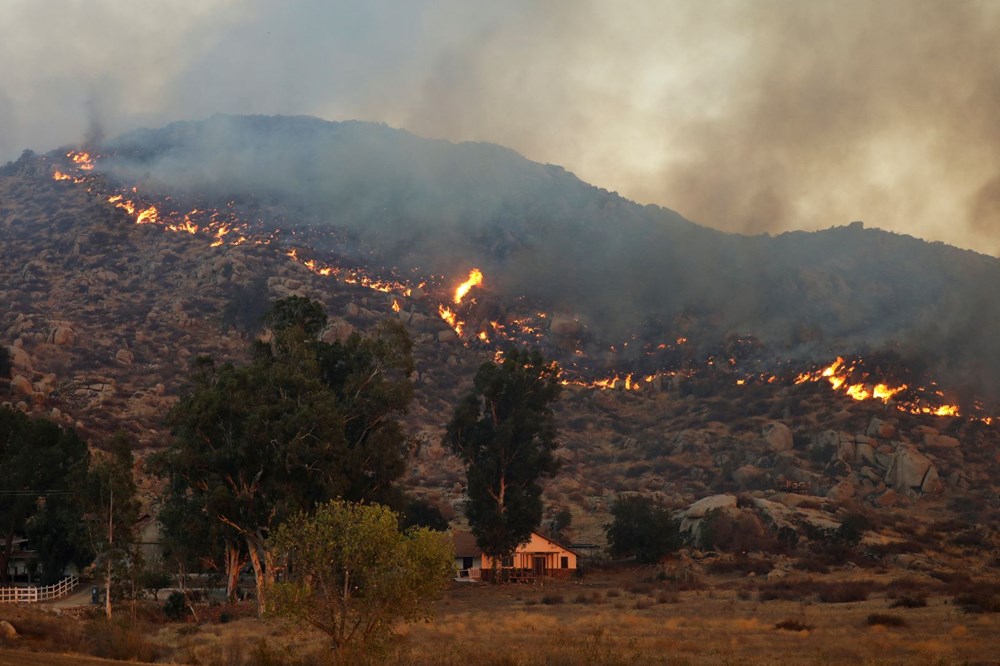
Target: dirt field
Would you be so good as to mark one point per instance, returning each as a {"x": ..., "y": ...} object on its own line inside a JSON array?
[
  {"x": 21, "y": 658},
  {"x": 621, "y": 621},
  {"x": 620, "y": 616}
]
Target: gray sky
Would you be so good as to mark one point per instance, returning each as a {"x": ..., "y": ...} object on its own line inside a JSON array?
[{"x": 752, "y": 115}]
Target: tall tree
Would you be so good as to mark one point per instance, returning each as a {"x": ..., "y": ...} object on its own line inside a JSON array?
[
  {"x": 38, "y": 459},
  {"x": 110, "y": 498},
  {"x": 505, "y": 433},
  {"x": 304, "y": 422}
]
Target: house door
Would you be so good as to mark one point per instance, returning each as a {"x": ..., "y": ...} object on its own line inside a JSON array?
[{"x": 539, "y": 567}]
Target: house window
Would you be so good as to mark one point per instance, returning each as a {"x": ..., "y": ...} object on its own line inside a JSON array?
[
  {"x": 564, "y": 562},
  {"x": 507, "y": 561},
  {"x": 467, "y": 562}
]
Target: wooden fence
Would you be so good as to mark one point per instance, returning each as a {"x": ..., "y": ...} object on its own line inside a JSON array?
[{"x": 29, "y": 595}]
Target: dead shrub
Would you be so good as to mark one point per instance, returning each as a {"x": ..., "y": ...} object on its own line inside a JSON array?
[
  {"x": 793, "y": 625},
  {"x": 553, "y": 599},
  {"x": 787, "y": 590},
  {"x": 667, "y": 597},
  {"x": 979, "y": 600},
  {"x": 118, "y": 640},
  {"x": 886, "y": 620},
  {"x": 910, "y": 601},
  {"x": 844, "y": 592},
  {"x": 812, "y": 565}
]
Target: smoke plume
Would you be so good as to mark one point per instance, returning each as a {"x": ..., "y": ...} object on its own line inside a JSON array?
[{"x": 745, "y": 116}]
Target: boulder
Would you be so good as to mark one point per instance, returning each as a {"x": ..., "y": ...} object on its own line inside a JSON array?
[
  {"x": 940, "y": 441},
  {"x": 20, "y": 386},
  {"x": 842, "y": 492},
  {"x": 932, "y": 483},
  {"x": 565, "y": 327},
  {"x": 704, "y": 505},
  {"x": 448, "y": 336},
  {"x": 910, "y": 470},
  {"x": 778, "y": 436},
  {"x": 881, "y": 429},
  {"x": 750, "y": 476},
  {"x": 19, "y": 359},
  {"x": 124, "y": 357},
  {"x": 7, "y": 631},
  {"x": 61, "y": 335}
]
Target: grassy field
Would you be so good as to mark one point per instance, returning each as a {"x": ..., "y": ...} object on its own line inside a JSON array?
[{"x": 618, "y": 616}]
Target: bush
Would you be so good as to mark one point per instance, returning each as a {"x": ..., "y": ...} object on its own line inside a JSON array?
[
  {"x": 176, "y": 607},
  {"x": 641, "y": 527},
  {"x": 552, "y": 599},
  {"x": 885, "y": 620}
]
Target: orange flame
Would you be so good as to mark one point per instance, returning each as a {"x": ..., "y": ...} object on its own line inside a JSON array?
[
  {"x": 450, "y": 318},
  {"x": 81, "y": 159},
  {"x": 475, "y": 279},
  {"x": 839, "y": 373}
]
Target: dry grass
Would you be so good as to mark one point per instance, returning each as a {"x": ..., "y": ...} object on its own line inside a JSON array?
[{"x": 618, "y": 617}]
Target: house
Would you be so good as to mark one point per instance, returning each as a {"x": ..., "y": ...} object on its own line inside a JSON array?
[{"x": 539, "y": 557}]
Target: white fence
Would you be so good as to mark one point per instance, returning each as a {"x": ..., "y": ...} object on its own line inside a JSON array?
[{"x": 28, "y": 595}]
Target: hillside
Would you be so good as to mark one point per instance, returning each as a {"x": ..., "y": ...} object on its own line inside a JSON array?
[
  {"x": 104, "y": 317},
  {"x": 617, "y": 275}
]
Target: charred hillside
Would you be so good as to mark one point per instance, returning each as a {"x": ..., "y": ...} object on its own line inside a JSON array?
[{"x": 620, "y": 282}]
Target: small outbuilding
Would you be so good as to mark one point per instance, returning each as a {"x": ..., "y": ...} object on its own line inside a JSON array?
[{"x": 538, "y": 558}]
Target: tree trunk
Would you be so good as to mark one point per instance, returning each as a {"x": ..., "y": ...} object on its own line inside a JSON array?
[
  {"x": 233, "y": 565},
  {"x": 263, "y": 570}
]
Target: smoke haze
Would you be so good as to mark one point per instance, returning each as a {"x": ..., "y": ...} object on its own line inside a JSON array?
[{"x": 745, "y": 116}]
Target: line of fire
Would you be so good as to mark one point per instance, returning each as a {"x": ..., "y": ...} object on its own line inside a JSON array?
[{"x": 456, "y": 298}]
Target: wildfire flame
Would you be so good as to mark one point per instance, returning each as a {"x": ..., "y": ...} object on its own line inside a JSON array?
[
  {"x": 839, "y": 374},
  {"x": 475, "y": 279},
  {"x": 450, "y": 318},
  {"x": 81, "y": 159}
]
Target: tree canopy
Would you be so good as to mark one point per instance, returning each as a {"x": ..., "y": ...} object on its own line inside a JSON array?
[
  {"x": 39, "y": 461},
  {"x": 504, "y": 431},
  {"x": 352, "y": 573},
  {"x": 303, "y": 422}
]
